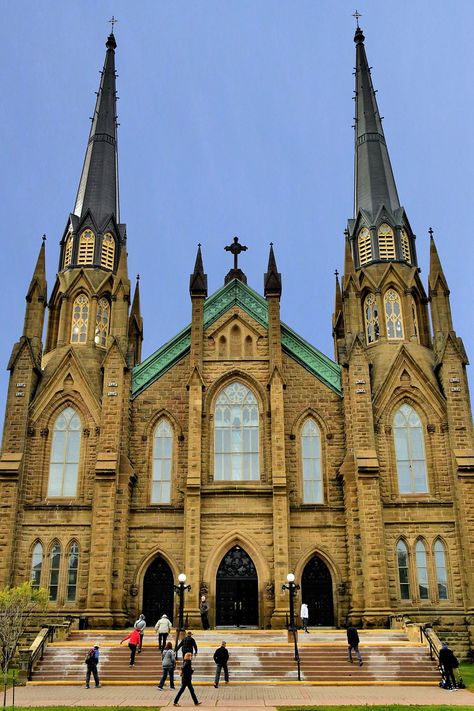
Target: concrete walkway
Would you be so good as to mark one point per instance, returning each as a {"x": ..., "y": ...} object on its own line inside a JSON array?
[{"x": 250, "y": 698}]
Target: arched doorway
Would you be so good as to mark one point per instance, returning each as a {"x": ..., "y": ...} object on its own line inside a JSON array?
[
  {"x": 237, "y": 590},
  {"x": 316, "y": 592},
  {"x": 158, "y": 598}
]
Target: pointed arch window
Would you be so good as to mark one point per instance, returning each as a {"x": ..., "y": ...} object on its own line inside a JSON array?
[
  {"x": 102, "y": 322},
  {"x": 108, "y": 252},
  {"x": 65, "y": 450},
  {"x": 80, "y": 319},
  {"x": 414, "y": 316},
  {"x": 72, "y": 571},
  {"x": 410, "y": 451},
  {"x": 386, "y": 242},
  {"x": 441, "y": 570},
  {"x": 393, "y": 315},
  {"x": 54, "y": 570},
  {"x": 422, "y": 570},
  {"x": 162, "y": 463},
  {"x": 406, "y": 255},
  {"x": 403, "y": 570},
  {"x": 365, "y": 246},
  {"x": 311, "y": 459},
  {"x": 36, "y": 566},
  {"x": 86, "y": 248},
  {"x": 371, "y": 316},
  {"x": 236, "y": 435},
  {"x": 68, "y": 251}
]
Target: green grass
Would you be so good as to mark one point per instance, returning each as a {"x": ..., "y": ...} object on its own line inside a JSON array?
[
  {"x": 466, "y": 670},
  {"x": 364, "y": 707}
]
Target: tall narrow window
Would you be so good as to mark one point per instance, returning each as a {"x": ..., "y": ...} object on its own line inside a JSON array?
[
  {"x": 403, "y": 571},
  {"x": 422, "y": 571},
  {"x": 386, "y": 242},
  {"x": 65, "y": 449},
  {"x": 441, "y": 570},
  {"x": 80, "y": 319},
  {"x": 405, "y": 246},
  {"x": 108, "y": 252},
  {"x": 72, "y": 570},
  {"x": 371, "y": 316},
  {"x": 54, "y": 569},
  {"x": 409, "y": 451},
  {"x": 102, "y": 322},
  {"x": 236, "y": 446},
  {"x": 162, "y": 460},
  {"x": 86, "y": 248},
  {"x": 365, "y": 246},
  {"x": 393, "y": 315},
  {"x": 68, "y": 252},
  {"x": 311, "y": 458},
  {"x": 36, "y": 566},
  {"x": 414, "y": 316}
]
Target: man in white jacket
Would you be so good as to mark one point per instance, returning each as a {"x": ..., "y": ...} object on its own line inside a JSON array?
[
  {"x": 163, "y": 628},
  {"x": 304, "y": 614}
]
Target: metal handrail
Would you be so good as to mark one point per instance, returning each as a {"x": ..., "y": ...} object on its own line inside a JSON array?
[
  {"x": 297, "y": 653},
  {"x": 425, "y": 632},
  {"x": 38, "y": 653}
]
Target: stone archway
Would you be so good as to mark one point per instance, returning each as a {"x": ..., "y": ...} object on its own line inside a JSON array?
[
  {"x": 158, "y": 593},
  {"x": 237, "y": 590},
  {"x": 317, "y": 592}
]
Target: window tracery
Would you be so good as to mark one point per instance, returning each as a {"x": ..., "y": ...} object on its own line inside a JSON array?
[
  {"x": 371, "y": 316},
  {"x": 410, "y": 451},
  {"x": 65, "y": 450},
  {"x": 311, "y": 459},
  {"x": 162, "y": 463},
  {"x": 102, "y": 322},
  {"x": 236, "y": 435},
  {"x": 80, "y": 319},
  {"x": 393, "y": 315}
]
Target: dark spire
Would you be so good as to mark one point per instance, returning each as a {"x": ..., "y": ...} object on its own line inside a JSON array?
[
  {"x": 198, "y": 280},
  {"x": 272, "y": 278},
  {"x": 98, "y": 187},
  {"x": 374, "y": 181}
]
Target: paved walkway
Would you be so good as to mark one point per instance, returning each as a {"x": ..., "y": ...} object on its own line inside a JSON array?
[{"x": 250, "y": 698}]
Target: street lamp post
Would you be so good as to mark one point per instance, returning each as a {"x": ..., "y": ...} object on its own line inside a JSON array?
[
  {"x": 179, "y": 590},
  {"x": 292, "y": 588}
]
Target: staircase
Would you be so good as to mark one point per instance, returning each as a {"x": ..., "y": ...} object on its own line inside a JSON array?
[{"x": 256, "y": 657}]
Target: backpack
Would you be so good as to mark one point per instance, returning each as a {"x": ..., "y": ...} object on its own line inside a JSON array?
[{"x": 89, "y": 656}]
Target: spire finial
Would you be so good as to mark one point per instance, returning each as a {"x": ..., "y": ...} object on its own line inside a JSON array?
[
  {"x": 43, "y": 238},
  {"x": 357, "y": 15},
  {"x": 138, "y": 277},
  {"x": 113, "y": 21},
  {"x": 336, "y": 274},
  {"x": 430, "y": 232},
  {"x": 235, "y": 248}
]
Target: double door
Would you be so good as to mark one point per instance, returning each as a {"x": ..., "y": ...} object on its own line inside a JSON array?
[{"x": 237, "y": 603}]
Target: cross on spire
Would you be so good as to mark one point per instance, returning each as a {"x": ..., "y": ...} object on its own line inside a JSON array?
[
  {"x": 235, "y": 248},
  {"x": 113, "y": 21},
  {"x": 357, "y": 15}
]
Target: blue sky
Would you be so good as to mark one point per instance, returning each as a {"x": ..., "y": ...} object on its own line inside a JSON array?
[{"x": 235, "y": 119}]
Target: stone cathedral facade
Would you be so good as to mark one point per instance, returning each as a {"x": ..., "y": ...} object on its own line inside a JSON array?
[{"x": 237, "y": 452}]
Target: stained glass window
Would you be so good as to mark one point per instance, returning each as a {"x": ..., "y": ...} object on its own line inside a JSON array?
[
  {"x": 236, "y": 444},
  {"x": 422, "y": 571},
  {"x": 393, "y": 314},
  {"x": 65, "y": 449},
  {"x": 102, "y": 322},
  {"x": 162, "y": 462},
  {"x": 36, "y": 566},
  {"x": 80, "y": 319},
  {"x": 403, "y": 570},
  {"x": 371, "y": 316},
  {"x": 410, "y": 451},
  {"x": 441, "y": 570},
  {"x": 311, "y": 458}
]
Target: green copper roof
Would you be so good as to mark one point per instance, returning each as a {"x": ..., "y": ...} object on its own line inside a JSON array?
[{"x": 236, "y": 293}]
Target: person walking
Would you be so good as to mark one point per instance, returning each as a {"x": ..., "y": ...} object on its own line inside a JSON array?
[
  {"x": 134, "y": 641},
  {"x": 204, "y": 610},
  {"x": 353, "y": 644},
  {"x": 163, "y": 628},
  {"x": 92, "y": 660},
  {"x": 140, "y": 625},
  {"x": 168, "y": 661},
  {"x": 304, "y": 614},
  {"x": 186, "y": 680},
  {"x": 448, "y": 663},
  {"x": 221, "y": 657},
  {"x": 188, "y": 644}
]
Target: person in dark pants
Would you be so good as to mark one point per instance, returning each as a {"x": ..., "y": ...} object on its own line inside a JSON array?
[
  {"x": 448, "y": 663},
  {"x": 221, "y": 657},
  {"x": 163, "y": 628},
  {"x": 140, "y": 625},
  {"x": 188, "y": 644},
  {"x": 134, "y": 641},
  {"x": 92, "y": 661},
  {"x": 186, "y": 680},
  {"x": 353, "y": 644},
  {"x": 204, "y": 610},
  {"x": 169, "y": 663}
]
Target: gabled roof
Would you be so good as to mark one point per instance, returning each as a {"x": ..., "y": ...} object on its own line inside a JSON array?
[{"x": 236, "y": 293}]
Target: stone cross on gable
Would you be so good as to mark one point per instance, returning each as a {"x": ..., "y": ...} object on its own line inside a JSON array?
[{"x": 235, "y": 248}]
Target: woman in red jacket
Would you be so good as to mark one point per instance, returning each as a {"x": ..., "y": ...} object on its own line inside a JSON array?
[{"x": 134, "y": 641}]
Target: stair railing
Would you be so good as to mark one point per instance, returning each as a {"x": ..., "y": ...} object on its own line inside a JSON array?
[
  {"x": 425, "y": 634},
  {"x": 37, "y": 650},
  {"x": 297, "y": 653}
]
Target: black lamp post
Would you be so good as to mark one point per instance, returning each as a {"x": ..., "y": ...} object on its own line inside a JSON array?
[
  {"x": 179, "y": 590},
  {"x": 292, "y": 587}
]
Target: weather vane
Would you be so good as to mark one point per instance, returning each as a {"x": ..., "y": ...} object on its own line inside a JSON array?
[
  {"x": 113, "y": 21},
  {"x": 357, "y": 15}
]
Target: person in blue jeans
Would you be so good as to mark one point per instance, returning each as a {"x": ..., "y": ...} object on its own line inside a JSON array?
[
  {"x": 186, "y": 680},
  {"x": 221, "y": 657},
  {"x": 169, "y": 663}
]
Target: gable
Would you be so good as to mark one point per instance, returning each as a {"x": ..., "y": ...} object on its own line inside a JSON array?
[{"x": 235, "y": 293}]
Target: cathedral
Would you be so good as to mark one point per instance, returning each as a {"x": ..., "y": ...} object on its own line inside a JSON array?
[{"x": 238, "y": 453}]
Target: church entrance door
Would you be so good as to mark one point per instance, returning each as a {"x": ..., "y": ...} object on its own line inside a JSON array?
[
  {"x": 316, "y": 592},
  {"x": 158, "y": 598},
  {"x": 237, "y": 590}
]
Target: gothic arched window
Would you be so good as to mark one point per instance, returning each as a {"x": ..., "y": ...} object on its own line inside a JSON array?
[
  {"x": 441, "y": 570},
  {"x": 68, "y": 251},
  {"x": 80, "y": 319},
  {"x": 36, "y": 566},
  {"x": 371, "y": 317},
  {"x": 311, "y": 459},
  {"x": 86, "y": 248},
  {"x": 162, "y": 462},
  {"x": 365, "y": 246},
  {"x": 236, "y": 439},
  {"x": 409, "y": 451},
  {"x": 102, "y": 322},
  {"x": 393, "y": 315},
  {"x": 108, "y": 252},
  {"x": 422, "y": 570},
  {"x": 403, "y": 570},
  {"x": 65, "y": 450},
  {"x": 414, "y": 317},
  {"x": 72, "y": 570},
  {"x": 54, "y": 569},
  {"x": 386, "y": 242},
  {"x": 406, "y": 255}
]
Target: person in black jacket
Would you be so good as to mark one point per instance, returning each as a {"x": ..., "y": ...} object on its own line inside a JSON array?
[
  {"x": 448, "y": 664},
  {"x": 353, "y": 644},
  {"x": 188, "y": 644},
  {"x": 92, "y": 660},
  {"x": 221, "y": 657},
  {"x": 186, "y": 680}
]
